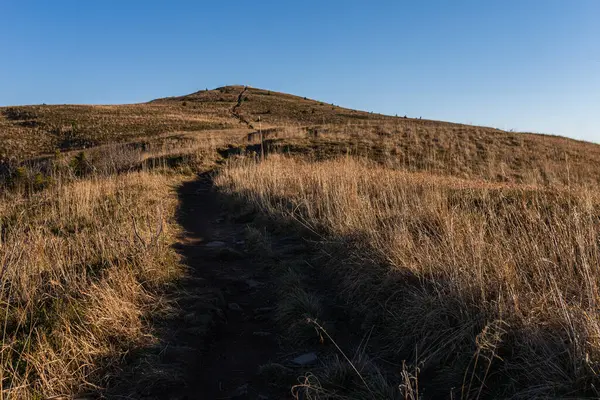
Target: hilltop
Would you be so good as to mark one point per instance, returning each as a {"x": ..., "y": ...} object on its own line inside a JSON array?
[{"x": 28, "y": 132}]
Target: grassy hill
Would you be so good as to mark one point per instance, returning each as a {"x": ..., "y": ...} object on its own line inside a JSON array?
[
  {"x": 32, "y": 131},
  {"x": 451, "y": 260}
]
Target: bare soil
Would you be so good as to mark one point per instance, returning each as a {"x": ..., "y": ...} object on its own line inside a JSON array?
[{"x": 224, "y": 331}]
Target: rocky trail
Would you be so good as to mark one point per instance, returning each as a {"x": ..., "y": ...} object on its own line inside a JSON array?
[
  {"x": 228, "y": 291},
  {"x": 225, "y": 331},
  {"x": 221, "y": 331}
]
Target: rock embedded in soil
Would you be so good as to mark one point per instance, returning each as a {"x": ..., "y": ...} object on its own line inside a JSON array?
[
  {"x": 252, "y": 284},
  {"x": 216, "y": 243},
  {"x": 305, "y": 359},
  {"x": 235, "y": 307}
]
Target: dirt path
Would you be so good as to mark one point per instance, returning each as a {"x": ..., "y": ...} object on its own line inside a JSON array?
[
  {"x": 235, "y": 109},
  {"x": 242, "y": 337},
  {"x": 225, "y": 329}
]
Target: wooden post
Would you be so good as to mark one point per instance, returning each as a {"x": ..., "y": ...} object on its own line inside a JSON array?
[{"x": 262, "y": 141}]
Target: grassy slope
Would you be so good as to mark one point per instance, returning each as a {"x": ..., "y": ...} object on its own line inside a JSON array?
[
  {"x": 87, "y": 263},
  {"x": 83, "y": 265},
  {"x": 456, "y": 149},
  {"x": 32, "y": 131},
  {"x": 458, "y": 191},
  {"x": 490, "y": 282}
]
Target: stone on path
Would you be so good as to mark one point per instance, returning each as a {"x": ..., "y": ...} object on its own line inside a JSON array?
[
  {"x": 252, "y": 284},
  {"x": 305, "y": 359},
  {"x": 216, "y": 243}
]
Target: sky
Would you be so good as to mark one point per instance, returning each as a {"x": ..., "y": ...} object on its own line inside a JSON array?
[{"x": 527, "y": 65}]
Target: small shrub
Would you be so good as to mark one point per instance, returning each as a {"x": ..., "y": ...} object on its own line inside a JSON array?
[
  {"x": 81, "y": 165},
  {"x": 23, "y": 178},
  {"x": 40, "y": 182}
]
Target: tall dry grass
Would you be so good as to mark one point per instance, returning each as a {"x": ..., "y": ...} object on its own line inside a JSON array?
[
  {"x": 82, "y": 265},
  {"x": 491, "y": 288},
  {"x": 86, "y": 258},
  {"x": 469, "y": 152}
]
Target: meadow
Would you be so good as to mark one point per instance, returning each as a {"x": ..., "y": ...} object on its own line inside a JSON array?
[
  {"x": 87, "y": 261},
  {"x": 487, "y": 288},
  {"x": 455, "y": 261}
]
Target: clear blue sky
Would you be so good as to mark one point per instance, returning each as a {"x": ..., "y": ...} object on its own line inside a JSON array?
[{"x": 529, "y": 65}]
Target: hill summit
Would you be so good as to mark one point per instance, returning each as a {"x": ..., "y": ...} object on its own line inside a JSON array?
[{"x": 28, "y": 132}]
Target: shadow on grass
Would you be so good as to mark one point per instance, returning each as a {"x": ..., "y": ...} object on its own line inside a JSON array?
[{"x": 458, "y": 350}]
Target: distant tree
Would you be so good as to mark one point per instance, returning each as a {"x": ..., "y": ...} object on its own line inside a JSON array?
[{"x": 81, "y": 165}]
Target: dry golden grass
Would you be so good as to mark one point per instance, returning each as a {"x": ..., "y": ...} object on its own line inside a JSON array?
[
  {"x": 86, "y": 256},
  {"x": 453, "y": 150},
  {"x": 494, "y": 284},
  {"x": 31, "y": 131},
  {"x": 414, "y": 144},
  {"x": 82, "y": 265},
  {"x": 473, "y": 250}
]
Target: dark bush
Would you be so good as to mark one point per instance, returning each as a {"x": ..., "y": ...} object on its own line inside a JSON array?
[
  {"x": 81, "y": 165},
  {"x": 18, "y": 114}
]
